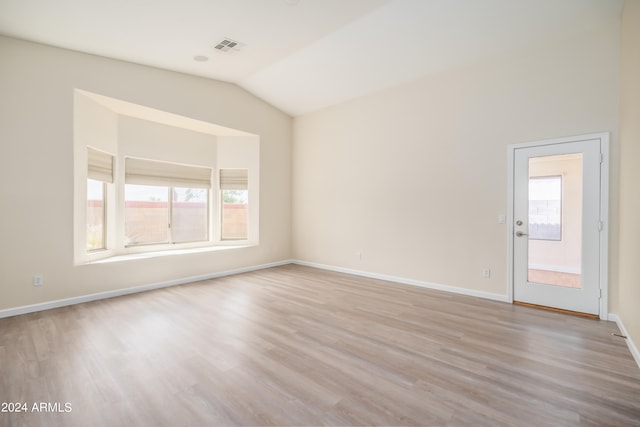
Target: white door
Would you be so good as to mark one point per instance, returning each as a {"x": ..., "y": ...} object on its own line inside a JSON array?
[{"x": 557, "y": 224}]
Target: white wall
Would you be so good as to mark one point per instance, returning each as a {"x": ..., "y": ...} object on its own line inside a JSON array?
[
  {"x": 37, "y": 84},
  {"x": 140, "y": 138},
  {"x": 628, "y": 297},
  {"x": 414, "y": 177}
]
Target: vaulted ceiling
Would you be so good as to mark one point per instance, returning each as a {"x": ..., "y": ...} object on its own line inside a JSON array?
[{"x": 300, "y": 55}]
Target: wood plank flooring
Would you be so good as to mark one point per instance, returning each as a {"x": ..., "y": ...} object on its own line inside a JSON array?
[{"x": 294, "y": 345}]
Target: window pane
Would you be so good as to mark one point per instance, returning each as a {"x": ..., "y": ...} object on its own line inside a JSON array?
[
  {"x": 146, "y": 214},
  {"x": 235, "y": 208},
  {"x": 545, "y": 208},
  {"x": 190, "y": 213},
  {"x": 95, "y": 215}
]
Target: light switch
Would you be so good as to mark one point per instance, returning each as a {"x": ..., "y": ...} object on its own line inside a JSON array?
[{"x": 502, "y": 218}]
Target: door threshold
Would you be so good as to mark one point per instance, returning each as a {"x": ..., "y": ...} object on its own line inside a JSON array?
[{"x": 558, "y": 310}]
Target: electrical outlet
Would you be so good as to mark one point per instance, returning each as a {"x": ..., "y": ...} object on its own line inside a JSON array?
[
  {"x": 486, "y": 272},
  {"x": 359, "y": 256},
  {"x": 38, "y": 280}
]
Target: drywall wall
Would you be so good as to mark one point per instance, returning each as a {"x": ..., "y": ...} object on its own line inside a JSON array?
[
  {"x": 37, "y": 83},
  {"x": 409, "y": 182},
  {"x": 143, "y": 138},
  {"x": 628, "y": 295}
]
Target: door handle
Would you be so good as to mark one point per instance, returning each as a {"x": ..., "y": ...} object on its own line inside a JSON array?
[{"x": 520, "y": 234}]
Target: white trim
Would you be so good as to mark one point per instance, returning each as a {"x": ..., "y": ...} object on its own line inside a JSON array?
[
  {"x": 604, "y": 223},
  {"x": 405, "y": 281},
  {"x": 623, "y": 331},
  {"x": 511, "y": 152},
  {"x": 604, "y": 210},
  {"x": 600, "y": 135},
  {"x": 395, "y": 279},
  {"x": 119, "y": 292}
]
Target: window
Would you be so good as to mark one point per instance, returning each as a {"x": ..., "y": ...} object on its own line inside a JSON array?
[
  {"x": 143, "y": 183},
  {"x": 146, "y": 214},
  {"x": 190, "y": 214},
  {"x": 545, "y": 208},
  {"x": 99, "y": 173},
  {"x": 235, "y": 204},
  {"x": 96, "y": 215},
  {"x": 165, "y": 202}
]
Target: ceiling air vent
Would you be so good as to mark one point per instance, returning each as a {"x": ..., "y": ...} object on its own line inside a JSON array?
[{"x": 228, "y": 45}]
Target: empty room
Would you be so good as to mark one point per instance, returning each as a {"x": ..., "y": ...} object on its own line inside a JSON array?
[{"x": 320, "y": 212}]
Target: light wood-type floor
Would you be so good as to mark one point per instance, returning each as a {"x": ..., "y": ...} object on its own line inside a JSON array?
[{"x": 294, "y": 345}]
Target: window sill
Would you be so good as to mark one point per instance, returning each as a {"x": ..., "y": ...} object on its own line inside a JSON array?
[{"x": 170, "y": 252}]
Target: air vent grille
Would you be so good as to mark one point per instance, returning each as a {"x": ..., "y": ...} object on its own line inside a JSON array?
[{"x": 229, "y": 45}]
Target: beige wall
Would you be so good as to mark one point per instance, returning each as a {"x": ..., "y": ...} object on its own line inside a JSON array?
[
  {"x": 628, "y": 301},
  {"x": 438, "y": 146},
  {"x": 140, "y": 138},
  {"x": 37, "y": 169}
]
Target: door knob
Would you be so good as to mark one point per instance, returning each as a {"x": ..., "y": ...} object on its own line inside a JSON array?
[{"x": 520, "y": 234}]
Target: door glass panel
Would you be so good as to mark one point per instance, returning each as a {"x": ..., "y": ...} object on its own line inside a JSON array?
[{"x": 555, "y": 220}]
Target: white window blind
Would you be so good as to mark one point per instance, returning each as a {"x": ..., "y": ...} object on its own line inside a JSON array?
[
  {"x": 100, "y": 165},
  {"x": 234, "y": 179},
  {"x": 153, "y": 172}
]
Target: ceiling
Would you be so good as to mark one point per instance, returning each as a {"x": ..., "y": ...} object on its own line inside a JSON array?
[{"x": 301, "y": 55}]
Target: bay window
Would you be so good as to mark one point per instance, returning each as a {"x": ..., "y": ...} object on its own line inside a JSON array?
[
  {"x": 144, "y": 183},
  {"x": 99, "y": 174},
  {"x": 235, "y": 204},
  {"x": 165, "y": 202}
]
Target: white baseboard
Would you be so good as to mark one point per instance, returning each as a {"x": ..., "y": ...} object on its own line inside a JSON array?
[
  {"x": 405, "y": 281},
  {"x": 632, "y": 347},
  {"x": 463, "y": 291},
  {"x": 119, "y": 292}
]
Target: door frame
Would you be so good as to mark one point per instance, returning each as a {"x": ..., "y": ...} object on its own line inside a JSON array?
[{"x": 604, "y": 211}]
